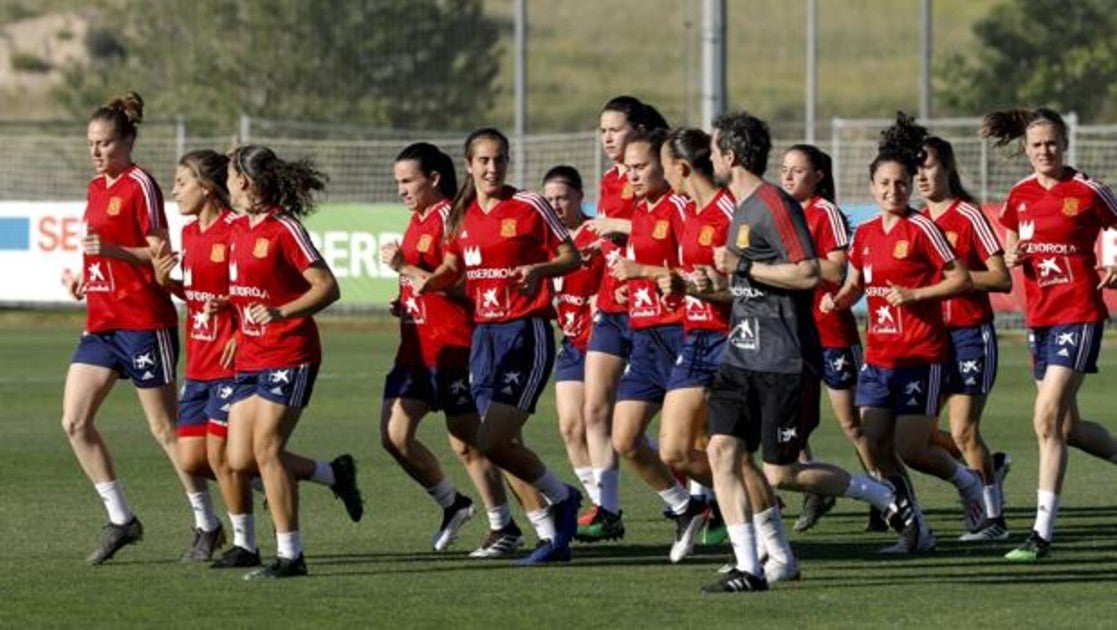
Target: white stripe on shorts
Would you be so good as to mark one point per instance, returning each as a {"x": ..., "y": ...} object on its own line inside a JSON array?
[
  {"x": 166, "y": 355},
  {"x": 538, "y": 365},
  {"x": 934, "y": 390},
  {"x": 298, "y": 389},
  {"x": 990, "y": 338},
  {"x": 1084, "y": 342}
]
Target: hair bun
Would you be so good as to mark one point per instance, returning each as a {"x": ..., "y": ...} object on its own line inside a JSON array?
[{"x": 131, "y": 104}]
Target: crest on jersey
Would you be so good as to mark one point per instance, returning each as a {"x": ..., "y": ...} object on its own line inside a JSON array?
[
  {"x": 217, "y": 254},
  {"x": 953, "y": 238},
  {"x": 424, "y": 244},
  {"x": 659, "y": 232},
  {"x": 1070, "y": 206},
  {"x": 626, "y": 192},
  {"x": 901, "y": 250},
  {"x": 706, "y": 236},
  {"x": 743, "y": 236},
  {"x": 114, "y": 206},
  {"x": 507, "y": 228},
  {"x": 260, "y": 250}
]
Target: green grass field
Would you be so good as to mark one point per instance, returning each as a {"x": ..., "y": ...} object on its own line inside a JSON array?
[{"x": 382, "y": 573}]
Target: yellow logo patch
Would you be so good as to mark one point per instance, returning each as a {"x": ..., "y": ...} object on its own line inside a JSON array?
[
  {"x": 706, "y": 236},
  {"x": 626, "y": 192},
  {"x": 424, "y": 244},
  {"x": 260, "y": 250},
  {"x": 217, "y": 254},
  {"x": 508, "y": 228},
  {"x": 114, "y": 206},
  {"x": 659, "y": 232},
  {"x": 743, "y": 237},
  {"x": 1070, "y": 206},
  {"x": 901, "y": 250}
]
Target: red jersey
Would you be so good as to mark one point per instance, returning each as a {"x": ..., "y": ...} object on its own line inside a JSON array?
[
  {"x": 435, "y": 329},
  {"x": 521, "y": 229},
  {"x": 205, "y": 275},
  {"x": 973, "y": 240},
  {"x": 1058, "y": 229},
  {"x": 266, "y": 264},
  {"x": 120, "y": 295},
  {"x": 911, "y": 254},
  {"x": 656, "y": 231},
  {"x": 574, "y": 293},
  {"x": 830, "y": 232},
  {"x": 615, "y": 201},
  {"x": 705, "y": 229}
]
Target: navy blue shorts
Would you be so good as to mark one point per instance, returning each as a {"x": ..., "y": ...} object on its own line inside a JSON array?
[
  {"x": 1075, "y": 346},
  {"x": 510, "y": 362},
  {"x": 654, "y": 352},
  {"x": 203, "y": 404},
  {"x": 570, "y": 364},
  {"x": 698, "y": 361},
  {"x": 906, "y": 391},
  {"x": 972, "y": 369},
  {"x": 148, "y": 357},
  {"x": 611, "y": 334},
  {"x": 840, "y": 367},
  {"x": 287, "y": 386},
  {"x": 445, "y": 390}
]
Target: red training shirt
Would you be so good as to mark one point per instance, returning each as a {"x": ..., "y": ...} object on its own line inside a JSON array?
[
  {"x": 615, "y": 201},
  {"x": 705, "y": 229},
  {"x": 830, "y": 232},
  {"x": 205, "y": 276},
  {"x": 654, "y": 240},
  {"x": 972, "y": 238},
  {"x": 574, "y": 292}
]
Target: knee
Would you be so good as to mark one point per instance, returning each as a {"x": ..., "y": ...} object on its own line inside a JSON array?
[
  {"x": 394, "y": 444},
  {"x": 218, "y": 462},
  {"x": 572, "y": 432},
  {"x": 241, "y": 463},
  {"x": 720, "y": 452},
  {"x": 779, "y": 476},
  {"x": 195, "y": 464},
  {"x": 964, "y": 436},
  {"x": 464, "y": 452},
  {"x": 627, "y": 446},
  {"x": 673, "y": 454},
  {"x": 75, "y": 427}
]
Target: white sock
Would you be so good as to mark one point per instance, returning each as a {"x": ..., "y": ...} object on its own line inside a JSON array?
[
  {"x": 769, "y": 526},
  {"x": 256, "y": 483},
  {"x": 965, "y": 480},
  {"x": 865, "y": 488},
  {"x": 205, "y": 518},
  {"x": 991, "y": 496},
  {"x": 586, "y": 478},
  {"x": 112, "y": 495},
  {"x": 743, "y": 539},
  {"x": 499, "y": 517},
  {"x": 543, "y": 523},
  {"x": 244, "y": 531},
  {"x": 609, "y": 486},
  {"x": 551, "y": 487},
  {"x": 443, "y": 492},
  {"x": 698, "y": 490},
  {"x": 288, "y": 545},
  {"x": 323, "y": 474},
  {"x": 676, "y": 497},
  {"x": 1047, "y": 508}
]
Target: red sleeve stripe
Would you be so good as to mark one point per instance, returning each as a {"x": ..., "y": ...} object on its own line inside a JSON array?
[
  {"x": 302, "y": 239},
  {"x": 1102, "y": 191},
  {"x": 934, "y": 235},
  {"x": 837, "y": 223},
  {"x": 151, "y": 199},
  {"x": 544, "y": 209},
  {"x": 981, "y": 228},
  {"x": 784, "y": 225}
]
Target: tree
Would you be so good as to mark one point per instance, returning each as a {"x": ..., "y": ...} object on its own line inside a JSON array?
[
  {"x": 419, "y": 64},
  {"x": 1037, "y": 52}
]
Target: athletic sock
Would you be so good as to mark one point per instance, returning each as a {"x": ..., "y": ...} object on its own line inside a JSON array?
[
  {"x": 244, "y": 531},
  {"x": 966, "y": 480},
  {"x": 288, "y": 545},
  {"x": 586, "y": 478},
  {"x": 698, "y": 490},
  {"x": 991, "y": 496},
  {"x": 499, "y": 517},
  {"x": 769, "y": 526},
  {"x": 205, "y": 518},
  {"x": 608, "y": 483},
  {"x": 112, "y": 495},
  {"x": 865, "y": 488},
  {"x": 323, "y": 474},
  {"x": 1047, "y": 508},
  {"x": 443, "y": 493},
  {"x": 676, "y": 497},
  {"x": 551, "y": 487},
  {"x": 743, "y": 539},
  {"x": 543, "y": 524}
]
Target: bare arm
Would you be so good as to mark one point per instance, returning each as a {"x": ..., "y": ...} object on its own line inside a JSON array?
[
  {"x": 955, "y": 280},
  {"x": 847, "y": 296},
  {"x": 323, "y": 291},
  {"x": 832, "y": 268},
  {"x": 802, "y": 275},
  {"x": 566, "y": 259},
  {"x": 996, "y": 278},
  {"x": 443, "y": 278}
]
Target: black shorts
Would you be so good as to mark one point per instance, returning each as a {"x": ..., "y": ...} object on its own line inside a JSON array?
[{"x": 761, "y": 408}]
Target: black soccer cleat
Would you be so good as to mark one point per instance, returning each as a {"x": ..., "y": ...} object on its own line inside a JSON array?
[
  {"x": 205, "y": 543},
  {"x": 737, "y": 581},
  {"x": 114, "y": 538},
  {"x": 453, "y": 518},
  {"x": 815, "y": 506},
  {"x": 278, "y": 569},
  {"x": 345, "y": 486},
  {"x": 237, "y": 557}
]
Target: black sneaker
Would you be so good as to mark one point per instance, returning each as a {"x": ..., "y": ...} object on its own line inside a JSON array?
[
  {"x": 500, "y": 542},
  {"x": 736, "y": 581},
  {"x": 815, "y": 506},
  {"x": 687, "y": 526},
  {"x": 876, "y": 522},
  {"x": 205, "y": 543},
  {"x": 237, "y": 557},
  {"x": 453, "y": 518},
  {"x": 604, "y": 526},
  {"x": 280, "y": 568},
  {"x": 116, "y": 537},
  {"x": 345, "y": 486}
]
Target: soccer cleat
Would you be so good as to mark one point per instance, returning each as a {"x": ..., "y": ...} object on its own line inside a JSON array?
[
  {"x": 565, "y": 513},
  {"x": 205, "y": 543},
  {"x": 876, "y": 522},
  {"x": 280, "y": 568},
  {"x": 605, "y": 526},
  {"x": 546, "y": 552},
  {"x": 345, "y": 486},
  {"x": 500, "y": 542},
  {"x": 1034, "y": 548},
  {"x": 990, "y": 529},
  {"x": 237, "y": 557},
  {"x": 1002, "y": 463},
  {"x": 815, "y": 506},
  {"x": 453, "y": 518},
  {"x": 916, "y": 538},
  {"x": 687, "y": 526},
  {"x": 116, "y": 537},
  {"x": 587, "y": 517},
  {"x": 775, "y": 571},
  {"x": 735, "y": 581},
  {"x": 715, "y": 533}
]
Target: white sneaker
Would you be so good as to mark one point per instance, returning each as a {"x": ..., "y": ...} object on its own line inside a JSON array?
[
  {"x": 453, "y": 518},
  {"x": 687, "y": 527}
]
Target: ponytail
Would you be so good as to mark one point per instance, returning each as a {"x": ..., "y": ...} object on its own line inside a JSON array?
[
  {"x": 125, "y": 112},
  {"x": 276, "y": 182},
  {"x": 1010, "y": 124}
]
